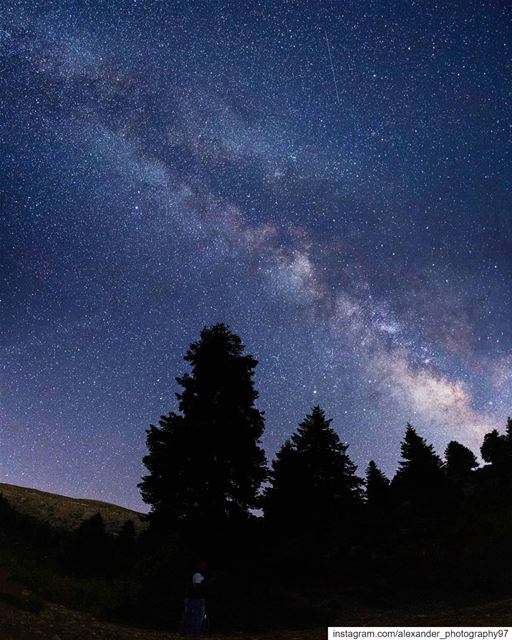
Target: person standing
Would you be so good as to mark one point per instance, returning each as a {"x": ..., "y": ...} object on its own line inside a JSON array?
[{"x": 195, "y": 602}]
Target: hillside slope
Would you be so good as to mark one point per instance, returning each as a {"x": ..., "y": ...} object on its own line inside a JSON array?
[{"x": 64, "y": 511}]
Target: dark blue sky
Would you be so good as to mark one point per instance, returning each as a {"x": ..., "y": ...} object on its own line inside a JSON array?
[{"x": 331, "y": 179}]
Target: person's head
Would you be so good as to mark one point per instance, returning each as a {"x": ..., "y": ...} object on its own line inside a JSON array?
[{"x": 202, "y": 565}]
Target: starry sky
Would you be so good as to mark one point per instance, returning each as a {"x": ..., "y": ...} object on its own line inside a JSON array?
[{"x": 330, "y": 178}]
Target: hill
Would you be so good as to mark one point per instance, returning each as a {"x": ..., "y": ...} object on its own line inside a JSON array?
[{"x": 63, "y": 511}]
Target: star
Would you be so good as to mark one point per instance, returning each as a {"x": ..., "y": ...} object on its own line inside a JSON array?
[{"x": 319, "y": 180}]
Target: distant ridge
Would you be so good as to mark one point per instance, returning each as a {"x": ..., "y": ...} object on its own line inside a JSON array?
[{"x": 67, "y": 512}]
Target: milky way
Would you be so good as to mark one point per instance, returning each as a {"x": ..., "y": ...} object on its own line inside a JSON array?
[{"x": 331, "y": 179}]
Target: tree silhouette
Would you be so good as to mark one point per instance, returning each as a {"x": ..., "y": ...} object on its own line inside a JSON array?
[
  {"x": 496, "y": 450},
  {"x": 91, "y": 548},
  {"x": 313, "y": 478},
  {"x": 125, "y": 546},
  {"x": 283, "y": 499},
  {"x": 419, "y": 480},
  {"x": 377, "y": 486},
  {"x": 127, "y": 538},
  {"x": 205, "y": 463},
  {"x": 460, "y": 460},
  {"x": 508, "y": 429}
]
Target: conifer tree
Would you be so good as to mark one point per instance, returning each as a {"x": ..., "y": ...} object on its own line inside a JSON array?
[
  {"x": 205, "y": 462},
  {"x": 313, "y": 478},
  {"x": 377, "y": 486},
  {"x": 508, "y": 430},
  {"x": 419, "y": 480}
]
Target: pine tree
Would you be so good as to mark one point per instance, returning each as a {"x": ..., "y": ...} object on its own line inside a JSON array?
[
  {"x": 377, "y": 487},
  {"x": 460, "y": 461},
  {"x": 313, "y": 478},
  {"x": 205, "y": 462},
  {"x": 508, "y": 430},
  {"x": 283, "y": 499},
  {"x": 419, "y": 480}
]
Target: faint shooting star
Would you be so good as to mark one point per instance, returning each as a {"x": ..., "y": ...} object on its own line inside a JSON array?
[{"x": 332, "y": 68}]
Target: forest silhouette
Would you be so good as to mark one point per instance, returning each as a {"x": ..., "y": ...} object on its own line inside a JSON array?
[{"x": 277, "y": 534}]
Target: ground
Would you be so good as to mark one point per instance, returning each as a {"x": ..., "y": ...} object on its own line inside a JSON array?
[{"x": 22, "y": 617}]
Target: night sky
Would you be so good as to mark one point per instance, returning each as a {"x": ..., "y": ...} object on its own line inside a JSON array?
[{"x": 330, "y": 178}]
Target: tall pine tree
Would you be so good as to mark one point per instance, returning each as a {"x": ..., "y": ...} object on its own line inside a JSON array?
[
  {"x": 420, "y": 479},
  {"x": 313, "y": 478},
  {"x": 205, "y": 462}
]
